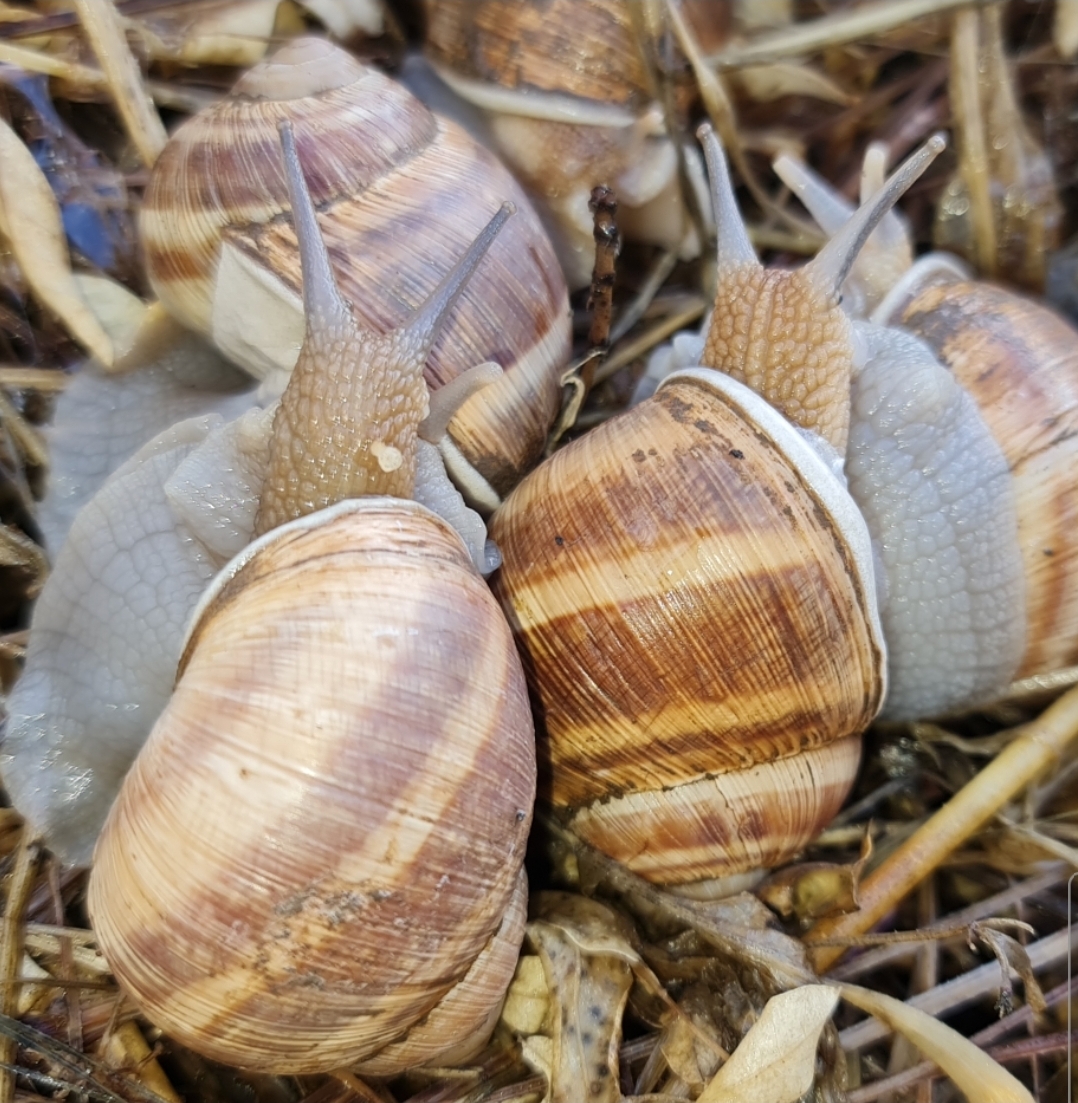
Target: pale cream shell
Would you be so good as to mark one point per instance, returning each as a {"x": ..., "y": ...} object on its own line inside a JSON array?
[{"x": 326, "y": 827}]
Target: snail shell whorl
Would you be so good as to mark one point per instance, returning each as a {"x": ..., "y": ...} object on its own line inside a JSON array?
[
  {"x": 362, "y": 766},
  {"x": 1019, "y": 362},
  {"x": 400, "y": 194},
  {"x": 692, "y": 604}
]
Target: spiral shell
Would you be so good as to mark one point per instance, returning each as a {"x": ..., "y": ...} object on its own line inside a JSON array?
[
  {"x": 352, "y": 725},
  {"x": 400, "y": 193},
  {"x": 692, "y": 593},
  {"x": 566, "y": 90}
]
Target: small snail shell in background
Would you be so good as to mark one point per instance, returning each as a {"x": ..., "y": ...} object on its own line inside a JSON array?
[
  {"x": 1018, "y": 361},
  {"x": 565, "y": 89},
  {"x": 316, "y": 859},
  {"x": 399, "y": 191},
  {"x": 692, "y": 586}
]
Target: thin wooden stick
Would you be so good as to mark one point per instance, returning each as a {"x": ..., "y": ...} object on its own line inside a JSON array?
[{"x": 1042, "y": 743}]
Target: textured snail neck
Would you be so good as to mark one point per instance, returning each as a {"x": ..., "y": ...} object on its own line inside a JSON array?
[
  {"x": 305, "y": 67},
  {"x": 350, "y": 415},
  {"x": 784, "y": 333},
  {"x": 779, "y": 334}
]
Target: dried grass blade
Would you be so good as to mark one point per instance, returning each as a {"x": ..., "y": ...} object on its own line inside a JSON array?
[{"x": 101, "y": 22}]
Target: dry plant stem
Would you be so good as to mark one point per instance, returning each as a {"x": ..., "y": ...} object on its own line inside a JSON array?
[
  {"x": 604, "y": 208},
  {"x": 832, "y": 30},
  {"x": 28, "y": 439},
  {"x": 82, "y": 76},
  {"x": 101, "y": 22},
  {"x": 635, "y": 310},
  {"x": 971, "y": 136},
  {"x": 1041, "y": 744},
  {"x": 720, "y": 110},
  {"x": 44, "y": 380},
  {"x": 19, "y": 887},
  {"x": 957, "y": 921},
  {"x": 955, "y": 994},
  {"x": 643, "y": 344}
]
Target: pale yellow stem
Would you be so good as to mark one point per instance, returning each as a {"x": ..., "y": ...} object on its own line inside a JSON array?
[{"x": 1040, "y": 746}]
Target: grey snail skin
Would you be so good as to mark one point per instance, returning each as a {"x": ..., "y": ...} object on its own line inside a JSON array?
[
  {"x": 1017, "y": 360},
  {"x": 346, "y": 764}
]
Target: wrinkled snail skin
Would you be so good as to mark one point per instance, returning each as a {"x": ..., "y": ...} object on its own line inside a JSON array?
[
  {"x": 347, "y": 763},
  {"x": 693, "y": 588},
  {"x": 1018, "y": 361},
  {"x": 400, "y": 192}
]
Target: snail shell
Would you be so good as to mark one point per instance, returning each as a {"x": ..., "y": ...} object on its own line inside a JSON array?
[
  {"x": 692, "y": 591},
  {"x": 350, "y": 801},
  {"x": 400, "y": 192},
  {"x": 565, "y": 89}
]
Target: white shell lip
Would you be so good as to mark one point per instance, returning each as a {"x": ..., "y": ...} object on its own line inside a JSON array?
[
  {"x": 832, "y": 493},
  {"x": 302, "y": 524},
  {"x": 935, "y": 268},
  {"x": 557, "y": 107}
]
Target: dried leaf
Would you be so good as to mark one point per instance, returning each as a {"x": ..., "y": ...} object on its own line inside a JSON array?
[
  {"x": 1011, "y": 954},
  {"x": 972, "y": 1070},
  {"x": 776, "y": 1060},
  {"x": 568, "y": 1002},
  {"x": 30, "y": 220}
]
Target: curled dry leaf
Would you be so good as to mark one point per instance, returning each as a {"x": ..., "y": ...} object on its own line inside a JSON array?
[
  {"x": 776, "y": 1060},
  {"x": 1011, "y": 955},
  {"x": 587, "y": 971},
  {"x": 30, "y": 220},
  {"x": 972, "y": 1070}
]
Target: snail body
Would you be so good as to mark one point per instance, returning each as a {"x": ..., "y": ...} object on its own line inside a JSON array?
[
  {"x": 384, "y": 172},
  {"x": 347, "y": 761},
  {"x": 693, "y": 589},
  {"x": 1018, "y": 362}
]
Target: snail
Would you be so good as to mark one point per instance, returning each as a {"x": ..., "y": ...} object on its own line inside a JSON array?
[
  {"x": 936, "y": 489},
  {"x": 1018, "y": 359},
  {"x": 693, "y": 589},
  {"x": 399, "y": 191},
  {"x": 565, "y": 91},
  {"x": 347, "y": 761}
]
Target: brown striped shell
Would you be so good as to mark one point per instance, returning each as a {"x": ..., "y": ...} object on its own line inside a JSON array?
[
  {"x": 691, "y": 589},
  {"x": 1019, "y": 362},
  {"x": 352, "y": 726},
  {"x": 399, "y": 192},
  {"x": 565, "y": 88}
]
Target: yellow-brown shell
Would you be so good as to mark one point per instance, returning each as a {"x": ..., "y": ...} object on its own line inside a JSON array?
[
  {"x": 324, "y": 835},
  {"x": 400, "y": 194},
  {"x": 692, "y": 595},
  {"x": 1019, "y": 362}
]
